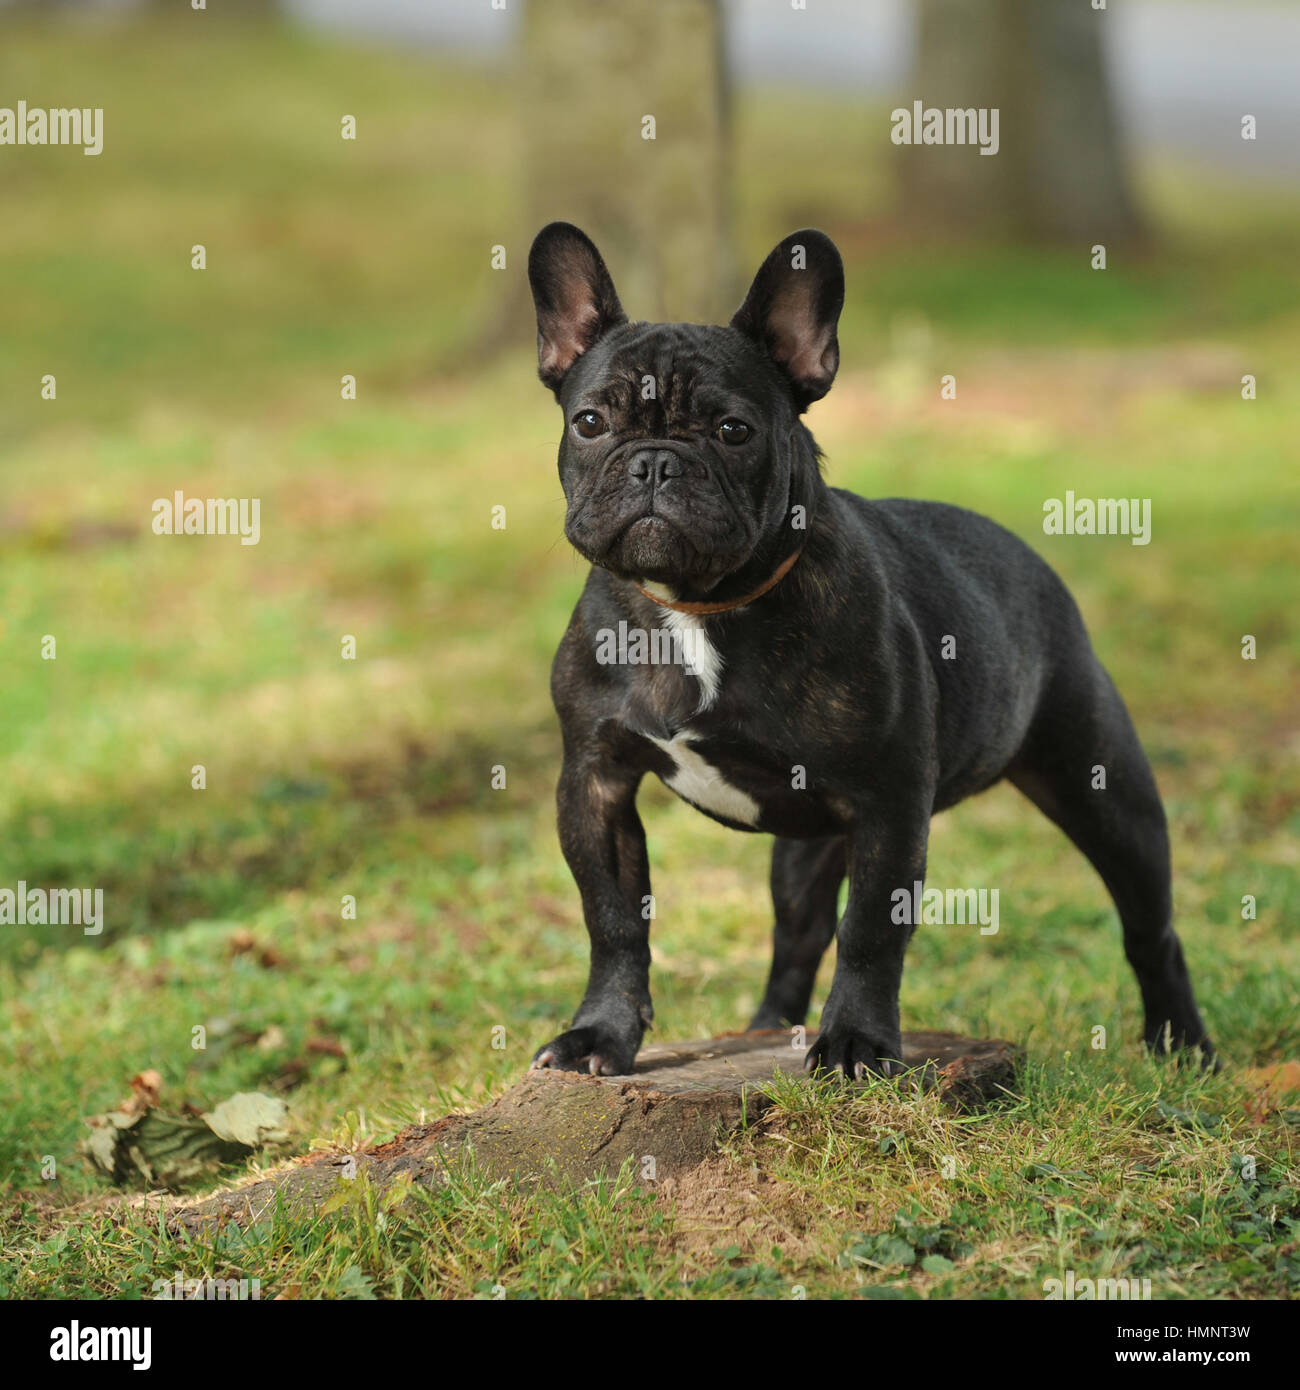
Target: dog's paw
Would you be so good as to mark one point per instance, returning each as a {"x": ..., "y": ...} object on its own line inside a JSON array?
[
  {"x": 853, "y": 1054},
  {"x": 596, "y": 1049},
  {"x": 765, "y": 1020}
]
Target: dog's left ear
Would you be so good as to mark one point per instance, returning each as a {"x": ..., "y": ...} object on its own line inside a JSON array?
[
  {"x": 793, "y": 309},
  {"x": 575, "y": 299}
]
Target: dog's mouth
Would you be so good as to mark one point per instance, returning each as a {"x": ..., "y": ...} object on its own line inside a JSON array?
[
  {"x": 653, "y": 548},
  {"x": 664, "y": 549},
  {"x": 650, "y": 547}
]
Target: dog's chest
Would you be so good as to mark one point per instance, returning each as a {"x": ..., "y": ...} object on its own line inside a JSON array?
[
  {"x": 726, "y": 747},
  {"x": 750, "y": 787},
  {"x": 704, "y": 785}
]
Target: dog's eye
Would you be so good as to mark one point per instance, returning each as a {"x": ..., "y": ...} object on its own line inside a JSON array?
[
  {"x": 589, "y": 423},
  {"x": 733, "y": 431}
]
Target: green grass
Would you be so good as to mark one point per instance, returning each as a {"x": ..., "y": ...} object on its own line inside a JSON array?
[{"x": 372, "y": 777}]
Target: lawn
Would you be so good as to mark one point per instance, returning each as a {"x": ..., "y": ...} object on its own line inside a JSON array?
[{"x": 371, "y": 778}]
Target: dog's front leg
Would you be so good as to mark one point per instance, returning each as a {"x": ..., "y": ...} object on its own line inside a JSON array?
[
  {"x": 604, "y": 844},
  {"x": 859, "y": 1030}
]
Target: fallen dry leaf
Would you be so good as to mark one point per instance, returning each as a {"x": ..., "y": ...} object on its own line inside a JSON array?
[
  {"x": 167, "y": 1150},
  {"x": 1273, "y": 1086},
  {"x": 145, "y": 1089}
]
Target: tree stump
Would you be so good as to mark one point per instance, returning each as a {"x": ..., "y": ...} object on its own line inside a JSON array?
[{"x": 559, "y": 1127}]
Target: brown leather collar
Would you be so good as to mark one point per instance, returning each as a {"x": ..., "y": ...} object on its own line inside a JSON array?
[{"x": 776, "y": 577}]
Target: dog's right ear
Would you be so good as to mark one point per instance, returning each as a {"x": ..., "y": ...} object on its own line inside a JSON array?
[{"x": 575, "y": 298}]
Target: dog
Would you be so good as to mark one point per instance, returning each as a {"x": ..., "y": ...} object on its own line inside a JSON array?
[{"x": 855, "y": 666}]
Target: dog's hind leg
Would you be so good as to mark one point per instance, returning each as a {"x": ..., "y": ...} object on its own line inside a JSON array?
[
  {"x": 806, "y": 878},
  {"x": 1084, "y": 767}
]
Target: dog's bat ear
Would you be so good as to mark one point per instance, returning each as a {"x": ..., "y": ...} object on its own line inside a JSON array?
[
  {"x": 575, "y": 298},
  {"x": 792, "y": 311}
]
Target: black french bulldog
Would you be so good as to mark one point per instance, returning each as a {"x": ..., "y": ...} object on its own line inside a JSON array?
[{"x": 818, "y": 703}]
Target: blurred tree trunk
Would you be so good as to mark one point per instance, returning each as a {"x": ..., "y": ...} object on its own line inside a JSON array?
[
  {"x": 591, "y": 72},
  {"x": 1060, "y": 171}
]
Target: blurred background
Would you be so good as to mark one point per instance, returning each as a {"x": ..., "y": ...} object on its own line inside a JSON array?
[{"x": 398, "y": 258}]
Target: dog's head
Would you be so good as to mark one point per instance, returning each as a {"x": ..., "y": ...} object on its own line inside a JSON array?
[{"x": 683, "y": 452}]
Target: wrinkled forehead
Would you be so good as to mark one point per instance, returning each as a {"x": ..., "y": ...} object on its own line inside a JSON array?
[{"x": 678, "y": 370}]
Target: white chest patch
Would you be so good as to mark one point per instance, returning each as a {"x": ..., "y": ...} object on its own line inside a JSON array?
[
  {"x": 702, "y": 783},
  {"x": 704, "y": 660}
]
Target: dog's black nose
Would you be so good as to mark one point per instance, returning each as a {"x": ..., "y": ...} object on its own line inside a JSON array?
[{"x": 659, "y": 464}]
